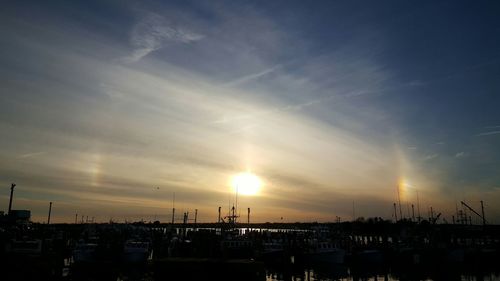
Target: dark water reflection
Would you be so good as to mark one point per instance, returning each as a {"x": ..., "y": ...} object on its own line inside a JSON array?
[
  {"x": 311, "y": 272},
  {"x": 344, "y": 273}
]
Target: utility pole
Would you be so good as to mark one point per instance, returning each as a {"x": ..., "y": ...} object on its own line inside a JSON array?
[
  {"x": 50, "y": 210},
  {"x": 11, "y": 196},
  {"x": 76, "y": 218},
  {"x": 218, "y": 221},
  {"x": 195, "y": 215}
]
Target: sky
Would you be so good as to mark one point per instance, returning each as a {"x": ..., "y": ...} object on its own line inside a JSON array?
[{"x": 109, "y": 108}]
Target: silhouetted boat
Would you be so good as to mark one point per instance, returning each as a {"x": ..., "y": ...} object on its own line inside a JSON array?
[
  {"x": 237, "y": 248},
  {"x": 274, "y": 252},
  {"x": 369, "y": 256},
  {"x": 136, "y": 251},
  {"x": 24, "y": 247},
  {"x": 84, "y": 252},
  {"x": 324, "y": 252}
]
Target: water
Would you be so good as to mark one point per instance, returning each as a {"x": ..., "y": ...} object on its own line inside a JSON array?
[
  {"x": 295, "y": 272},
  {"x": 314, "y": 277},
  {"x": 334, "y": 274},
  {"x": 346, "y": 274}
]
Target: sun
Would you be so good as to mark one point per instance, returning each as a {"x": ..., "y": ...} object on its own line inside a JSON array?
[{"x": 246, "y": 183}]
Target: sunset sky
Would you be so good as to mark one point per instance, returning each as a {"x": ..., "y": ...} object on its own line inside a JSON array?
[{"x": 109, "y": 107}]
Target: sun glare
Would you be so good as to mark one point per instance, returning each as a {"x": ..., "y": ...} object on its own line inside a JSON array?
[
  {"x": 246, "y": 183},
  {"x": 403, "y": 187}
]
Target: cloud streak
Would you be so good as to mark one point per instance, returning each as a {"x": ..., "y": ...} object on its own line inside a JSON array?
[
  {"x": 488, "y": 133},
  {"x": 33, "y": 154},
  {"x": 250, "y": 77}
]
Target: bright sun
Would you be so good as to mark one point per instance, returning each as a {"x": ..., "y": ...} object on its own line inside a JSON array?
[{"x": 246, "y": 183}]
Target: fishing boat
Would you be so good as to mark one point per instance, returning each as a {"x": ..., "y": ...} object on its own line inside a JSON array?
[
  {"x": 237, "y": 247},
  {"x": 324, "y": 252},
  {"x": 24, "y": 247},
  {"x": 136, "y": 251},
  {"x": 273, "y": 251},
  {"x": 84, "y": 252}
]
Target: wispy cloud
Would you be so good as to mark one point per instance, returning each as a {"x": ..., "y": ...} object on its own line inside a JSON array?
[
  {"x": 250, "y": 77},
  {"x": 488, "y": 133},
  {"x": 430, "y": 157},
  {"x": 291, "y": 107},
  {"x": 154, "y": 32},
  {"x": 309, "y": 121},
  {"x": 33, "y": 154}
]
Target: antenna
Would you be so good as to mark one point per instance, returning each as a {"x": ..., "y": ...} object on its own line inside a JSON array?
[
  {"x": 395, "y": 213},
  {"x": 173, "y": 209},
  {"x": 408, "y": 209},
  {"x": 413, "y": 212},
  {"x": 399, "y": 202},
  {"x": 482, "y": 212},
  {"x": 418, "y": 207},
  {"x": 474, "y": 211},
  {"x": 236, "y": 203}
]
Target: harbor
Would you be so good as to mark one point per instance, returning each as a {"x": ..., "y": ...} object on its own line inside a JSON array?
[
  {"x": 403, "y": 250},
  {"x": 408, "y": 248},
  {"x": 250, "y": 140}
]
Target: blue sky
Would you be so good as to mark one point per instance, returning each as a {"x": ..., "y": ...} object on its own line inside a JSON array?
[{"x": 108, "y": 108}]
